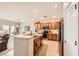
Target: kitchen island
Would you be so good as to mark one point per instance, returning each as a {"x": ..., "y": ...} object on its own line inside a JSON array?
[{"x": 27, "y": 45}]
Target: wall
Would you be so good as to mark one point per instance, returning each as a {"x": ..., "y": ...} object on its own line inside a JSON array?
[{"x": 8, "y": 22}]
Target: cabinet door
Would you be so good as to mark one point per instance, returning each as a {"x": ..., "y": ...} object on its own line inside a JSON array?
[
  {"x": 41, "y": 26},
  {"x": 19, "y": 47},
  {"x": 41, "y": 40},
  {"x": 38, "y": 43},
  {"x": 35, "y": 46},
  {"x": 38, "y": 26},
  {"x": 54, "y": 37},
  {"x": 50, "y": 36},
  {"x": 55, "y": 25},
  {"x": 50, "y": 26}
]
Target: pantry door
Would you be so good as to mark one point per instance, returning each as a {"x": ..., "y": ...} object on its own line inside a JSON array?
[
  {"x": 71, "y": 30},
  {"x": 74, "y": 29},
  {"x": 67, "y": 32}
]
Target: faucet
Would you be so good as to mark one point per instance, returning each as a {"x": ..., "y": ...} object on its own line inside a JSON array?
[{"x": 31, "y": 32}]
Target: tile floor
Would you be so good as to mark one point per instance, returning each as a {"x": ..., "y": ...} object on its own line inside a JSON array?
[
  {"x": 10, "y": 53},
  {"x": 52, "y": 49}
]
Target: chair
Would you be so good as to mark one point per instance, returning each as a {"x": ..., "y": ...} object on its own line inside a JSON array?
[{"x": 3, "y": 42}]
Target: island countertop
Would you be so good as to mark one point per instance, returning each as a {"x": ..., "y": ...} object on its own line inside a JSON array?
[{"x": 27, "y": 36}]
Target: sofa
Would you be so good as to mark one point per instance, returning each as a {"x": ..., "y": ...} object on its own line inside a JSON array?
[{"x": 3, "y": 42}]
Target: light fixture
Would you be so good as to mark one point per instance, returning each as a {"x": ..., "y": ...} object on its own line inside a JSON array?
[
  {"x": 44, "y": 17},
  {"x": 65, "y": 4},
  {"x": 56, "y": 6},
  {"x": 53, "y": 16},
  {"x": 32, "y": 18},
  {"x": 18, "y": 20}
]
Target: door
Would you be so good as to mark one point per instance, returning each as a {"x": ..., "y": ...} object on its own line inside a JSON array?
[
  {"x": 67, "y": 32},
  {"x": 6, "y": 28},
  {"x": 74, "y": 29},
  {"x": 12, "y": 33},
  {"x": 10, "y": 29},
  {"x": 71, "y": 30}
]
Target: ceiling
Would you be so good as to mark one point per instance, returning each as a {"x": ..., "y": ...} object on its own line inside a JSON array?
[{"x": 31, "y": 10}]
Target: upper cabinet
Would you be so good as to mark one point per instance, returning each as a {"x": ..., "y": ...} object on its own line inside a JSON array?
[{"x": 51, "y": 25}]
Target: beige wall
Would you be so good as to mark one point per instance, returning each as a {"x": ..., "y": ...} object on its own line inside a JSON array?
[{"x": 8, "y": 22}]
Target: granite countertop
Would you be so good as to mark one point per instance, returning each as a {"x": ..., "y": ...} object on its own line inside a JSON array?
[{"x": 27, "y": 36}]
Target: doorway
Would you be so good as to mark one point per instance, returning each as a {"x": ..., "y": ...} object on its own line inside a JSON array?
[{"x": 10, "y": 29}]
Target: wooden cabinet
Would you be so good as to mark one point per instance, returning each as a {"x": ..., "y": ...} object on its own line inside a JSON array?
[
  {"x": 41, "y": 26},
  {"x": 38, "y": 26},
  {"x": 41, "y": 41},
  {"x": 52, "y": 37},
  {"x": 51, "y": 26},
  {"x": 37, "y": 43},
  {"x": 56, "y": 25}
]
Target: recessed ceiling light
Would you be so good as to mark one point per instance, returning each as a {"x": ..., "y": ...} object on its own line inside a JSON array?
[
  {"x": 55, "y": 6},
  {"x": 65, "y": 4},
  {"x": 32, "y": 18}
]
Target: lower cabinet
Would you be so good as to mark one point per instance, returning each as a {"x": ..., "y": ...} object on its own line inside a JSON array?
[
  {"x": 52, "y": 37},
  {"x": 37, "y": 43}
]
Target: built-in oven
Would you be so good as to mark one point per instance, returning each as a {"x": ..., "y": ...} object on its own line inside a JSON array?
[{"x": 45, "y": 32}]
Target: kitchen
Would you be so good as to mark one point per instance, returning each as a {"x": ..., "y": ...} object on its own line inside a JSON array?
[
  {"x": 29, "y": 43},
  {"x": 30, "y": 21}
]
